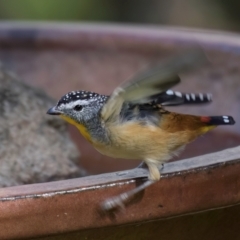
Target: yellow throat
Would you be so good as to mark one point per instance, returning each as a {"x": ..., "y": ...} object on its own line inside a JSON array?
[{"x": 80, "y": 127}]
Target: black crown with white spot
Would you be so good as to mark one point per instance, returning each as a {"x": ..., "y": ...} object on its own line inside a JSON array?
[{"x": 82, "y": 95}]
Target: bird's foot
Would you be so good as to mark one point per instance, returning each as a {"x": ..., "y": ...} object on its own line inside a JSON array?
[{"x": 114, "y": 203}]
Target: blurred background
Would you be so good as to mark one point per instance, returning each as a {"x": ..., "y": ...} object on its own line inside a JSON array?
[{"x": 210, "y": 14}]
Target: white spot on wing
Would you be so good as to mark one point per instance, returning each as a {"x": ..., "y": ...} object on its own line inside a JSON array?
[
  {"x": 187, "y": 97},
  {"x": 201, "y": 96},
  {"x": 226, "y": 120},
  {"x": 193, "y": 96},
  {"x": 209, "y": 97},
  {"x": 169, "y": 92},
  {"x": 178, "y": 94}
]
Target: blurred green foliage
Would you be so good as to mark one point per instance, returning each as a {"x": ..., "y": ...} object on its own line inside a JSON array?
[
  {"x": 56, "y": 9},
  {"x": 218, "y": 14}
]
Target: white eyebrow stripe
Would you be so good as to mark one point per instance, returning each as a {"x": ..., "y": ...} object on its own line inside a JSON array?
[{"x": 78, "y": 102}]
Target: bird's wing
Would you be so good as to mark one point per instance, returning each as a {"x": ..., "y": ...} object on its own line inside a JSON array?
[
  {"x": 151, "y": 82},
  {"x": 172, "y": 98}
]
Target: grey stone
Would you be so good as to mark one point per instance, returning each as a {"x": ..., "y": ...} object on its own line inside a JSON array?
[{"x": 34, "y": 147}]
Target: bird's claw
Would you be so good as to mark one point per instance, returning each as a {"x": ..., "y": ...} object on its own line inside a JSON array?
[{"x": 113, "y": 203}]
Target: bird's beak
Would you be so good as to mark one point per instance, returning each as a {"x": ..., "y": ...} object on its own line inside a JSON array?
[{"x": 53, "y": 111}]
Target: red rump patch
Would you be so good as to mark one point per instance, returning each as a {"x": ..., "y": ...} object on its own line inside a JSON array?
[{"x": 205, "y": 119}]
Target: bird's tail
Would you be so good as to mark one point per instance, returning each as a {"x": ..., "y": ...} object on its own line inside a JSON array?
[
  {"x": 214, "y": 121},
  {"x": 197, "y": 125},
  {"x": 218, "y": 120}
]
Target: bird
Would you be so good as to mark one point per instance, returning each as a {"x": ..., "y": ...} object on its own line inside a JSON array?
[{"x": 133, "y": 122}]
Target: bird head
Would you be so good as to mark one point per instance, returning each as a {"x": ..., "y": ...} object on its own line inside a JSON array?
[{"x": 78, "y": 107}]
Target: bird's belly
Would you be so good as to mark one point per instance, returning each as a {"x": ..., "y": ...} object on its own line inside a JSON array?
[
  {"x": 132, "y": 141},
  {"x": 117, "y": 152}
]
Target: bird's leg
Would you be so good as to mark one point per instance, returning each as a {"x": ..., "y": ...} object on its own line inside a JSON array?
[
  {"x": 142, "y": 165},
  {"x": 154, "y": 173},
  {"x": 119, "y": 201}
]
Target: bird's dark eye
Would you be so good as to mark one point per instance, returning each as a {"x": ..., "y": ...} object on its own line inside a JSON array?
[{"x": 78, "y": 108}]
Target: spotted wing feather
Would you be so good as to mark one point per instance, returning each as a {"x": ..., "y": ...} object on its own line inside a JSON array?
[{"x": 172, "y": 98}]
